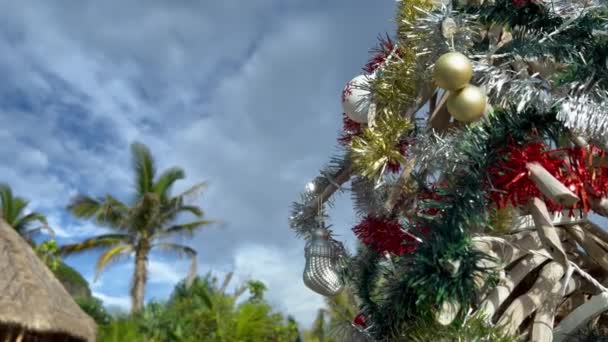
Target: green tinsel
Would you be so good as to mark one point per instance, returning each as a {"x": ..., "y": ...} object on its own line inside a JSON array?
[{"x": 420, "y": 282}]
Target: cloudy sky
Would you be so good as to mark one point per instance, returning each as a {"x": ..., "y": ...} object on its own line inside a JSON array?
[{"x": 243, "y": 94}]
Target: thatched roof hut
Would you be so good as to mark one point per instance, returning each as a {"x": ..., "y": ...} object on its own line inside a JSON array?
[{"x": 34, "y": 306}]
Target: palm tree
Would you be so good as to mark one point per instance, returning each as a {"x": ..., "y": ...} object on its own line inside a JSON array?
[
  {"x": 145, "y": 224},
  {"x": 13, "y": 212}
]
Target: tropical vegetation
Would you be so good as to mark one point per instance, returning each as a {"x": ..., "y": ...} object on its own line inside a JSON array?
[
  {"x": 201, "y": 312},
  {"x": 147, "y": 223},
  {"x": 13, "y": 210},
  {"x": 200, "y": 308}
]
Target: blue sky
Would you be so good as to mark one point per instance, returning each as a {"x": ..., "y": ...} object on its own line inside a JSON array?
[{"x": 242, "y": 94}]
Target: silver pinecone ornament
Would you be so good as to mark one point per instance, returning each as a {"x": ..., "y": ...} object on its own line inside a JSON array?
[{"x": 320, "y": 274}]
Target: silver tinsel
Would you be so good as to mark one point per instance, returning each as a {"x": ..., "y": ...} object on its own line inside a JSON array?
[
  {"x": 435, "y": 152},
  {"x": 505, "y": 86},
  {"x": 321, "y": 269},
  {"x": 586, "y": 115},
  {"x": 572, "y": 8},
  {"x": 368, "y": 198},
  {"x": 440, "y": 31},
  {"x": 305, "y": 212}
]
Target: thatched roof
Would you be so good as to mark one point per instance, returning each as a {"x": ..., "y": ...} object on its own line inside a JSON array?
[{"x": 30, "y": 295}]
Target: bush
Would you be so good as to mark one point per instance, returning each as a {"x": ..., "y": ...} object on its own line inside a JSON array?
[
  {"x": 203, "y": 313},
  {"x": 94, "y": 308}
]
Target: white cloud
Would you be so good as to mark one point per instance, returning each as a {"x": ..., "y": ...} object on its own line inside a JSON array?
[
  {"x": 122, "y": 302},
  {"x": 232, "y": 91},
  {"x": 166, "y": 273}
]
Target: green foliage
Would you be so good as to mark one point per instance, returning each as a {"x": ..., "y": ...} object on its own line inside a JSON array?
[
  {"x": 121, "y": 329},
  {"x": 71, "y": 279},
  {"x": 12, "y": 210},
  {"x": 203, "y": 312},
  {"x": 94, "y": 308},
  {"x": 143, "y": 225},
  {"x": 474, "y": 330},
  {"x": 49, "y": 254},
  {"x": 257, "y": 289}
]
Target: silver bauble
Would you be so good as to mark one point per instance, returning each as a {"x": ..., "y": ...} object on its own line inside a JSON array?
[{"x": 320, "y": 274}]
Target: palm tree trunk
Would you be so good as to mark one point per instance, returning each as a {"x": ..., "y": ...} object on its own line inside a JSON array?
[{"x": 139, "y": 280}]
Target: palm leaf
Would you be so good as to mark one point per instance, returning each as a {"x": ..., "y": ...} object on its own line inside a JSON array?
[
  {"x": 187, "y": 229},
  {"x": 6, "y": 197},
  {"x": 193, "y": 209},
  {"x": 109, "y": 211},
  {"x": 194, "y": 191},
  {"x": 23, "y": 222},
  {"x": 101, "y": 241},
  {"x": 181, "y": 251},
  {"x": 112, "y": 255},
  {"x": 143, "y": 165},
  {"x": 18, "y": 205},
  {"x": 145, "y": 216},
  {"x": 11, "y": 206},
  {"x": 166, "y": 180}
]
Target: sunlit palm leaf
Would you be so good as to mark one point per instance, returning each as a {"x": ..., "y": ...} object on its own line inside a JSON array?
[
  {"x": 112, "y": 255},
  {"x": 11, "y": 206},
  {"x": 166, "y": 180},
  {"x": 6, "y": 196},
  {"x": 101, "y": 241},
  {"x": 143, "y": 165},
  {"x": 182, "y": 251}
]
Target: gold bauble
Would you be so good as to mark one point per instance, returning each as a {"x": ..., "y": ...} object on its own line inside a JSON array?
[
  {"x": 467, "y": 104},
  {"x": 452, "y": 71}
]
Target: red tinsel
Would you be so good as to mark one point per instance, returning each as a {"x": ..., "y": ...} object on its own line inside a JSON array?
[
  {"x": 571, "y": 166},
  {"x": 381, "y": 53},
  {"x": 385, "y": 235},
  {"x": 520, "y": 3},
  {"x": 359, "y": 320},
  {"x": 350, "y": 130},
  {"x": 509, "y": 176}
]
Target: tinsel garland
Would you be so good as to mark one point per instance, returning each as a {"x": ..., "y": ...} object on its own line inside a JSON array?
[
  {"x": 381, "y": 53},
  {"x": 380, "y": 146},
  {"x": 350, "y": 130},
  {"x": 395, "y": 87},
  {"x": 401, "y": 291},
  {"x": 385, "y": 235},
  {"x": 424, "y": 282},
  {"x": 573, "y": 167},
  {"x": 509, "y": 182}
]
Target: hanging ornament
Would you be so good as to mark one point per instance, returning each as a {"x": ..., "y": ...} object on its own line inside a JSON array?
[
  {"x": 467, "y": 104},
  {"x": 320, "y": 273},
  {"x": 359, "y": 321},
  {"x": 453, "y": 71},
  {"x": 356, "y": 99}
]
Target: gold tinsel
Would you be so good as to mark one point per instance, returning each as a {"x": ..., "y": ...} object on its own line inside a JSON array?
[
  {"x": 407, "y": 12},
  {"x": 378, "y": 146},
  {"x": 501, "y": 220},
  {"x": 395, "y": 86},
  {"x": 394, "y": 90}
]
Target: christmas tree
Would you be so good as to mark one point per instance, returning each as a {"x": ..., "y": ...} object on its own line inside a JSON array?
[{"x": 474, "y": 146}]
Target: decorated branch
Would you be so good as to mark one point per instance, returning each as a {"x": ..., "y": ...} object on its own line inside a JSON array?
[{"x": 475, "y": 148}]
